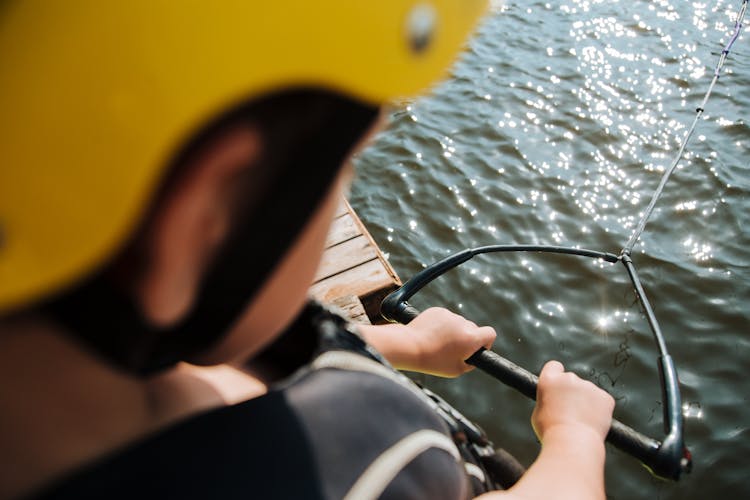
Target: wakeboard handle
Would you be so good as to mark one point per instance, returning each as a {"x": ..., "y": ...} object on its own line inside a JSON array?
[{"x": 667, "y": 459}]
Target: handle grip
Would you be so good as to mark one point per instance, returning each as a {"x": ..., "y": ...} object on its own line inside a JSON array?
[{"x": 652, "y": 453}]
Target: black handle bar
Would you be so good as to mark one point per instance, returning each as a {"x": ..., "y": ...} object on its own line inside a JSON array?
[{"x": 658, "y": 457}]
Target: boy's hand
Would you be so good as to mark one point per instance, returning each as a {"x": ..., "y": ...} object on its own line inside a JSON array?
[
  {"x": 571, "y": 418},
  {"x": 435, "y": 342},
  {"x": 445, "y": 340},
  {"x": 567, "y": 403}
]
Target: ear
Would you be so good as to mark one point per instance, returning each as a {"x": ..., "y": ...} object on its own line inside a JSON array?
[{"x": 190, "y": 225}]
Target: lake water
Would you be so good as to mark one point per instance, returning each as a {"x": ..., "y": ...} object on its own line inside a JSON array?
[{"x": 555, "y": 128}]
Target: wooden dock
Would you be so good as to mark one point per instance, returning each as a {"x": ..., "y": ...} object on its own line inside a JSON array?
[{"x": 353, "y": 275}]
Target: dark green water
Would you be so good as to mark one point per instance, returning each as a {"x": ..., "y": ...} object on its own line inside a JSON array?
[{"x": 555, "y": 128}]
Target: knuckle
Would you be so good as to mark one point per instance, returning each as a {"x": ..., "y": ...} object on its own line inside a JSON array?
[{"x": 610, "y": 401}]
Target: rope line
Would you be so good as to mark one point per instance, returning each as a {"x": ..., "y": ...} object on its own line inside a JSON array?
[{"x": 699, "y": 112}]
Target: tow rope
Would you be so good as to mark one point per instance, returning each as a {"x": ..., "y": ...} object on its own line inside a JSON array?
[
  {"x": 668, "y": 458},
  {"x": 698, "y": 112}
]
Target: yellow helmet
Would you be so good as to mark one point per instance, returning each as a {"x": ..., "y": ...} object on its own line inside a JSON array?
[{"x": 96, "y": 97}]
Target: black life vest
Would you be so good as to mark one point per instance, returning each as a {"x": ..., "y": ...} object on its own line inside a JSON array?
[
  {"x": 342, "y": 425},
  {"x": 487, "y": 468}
]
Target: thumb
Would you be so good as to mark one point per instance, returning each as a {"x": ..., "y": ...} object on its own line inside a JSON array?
[
  {"x": 486, "y": 336},
  {"x": 552, "y": 368}
]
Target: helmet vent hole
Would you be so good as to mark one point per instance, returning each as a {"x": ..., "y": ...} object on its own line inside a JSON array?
[{"x": 420, "y": 27}]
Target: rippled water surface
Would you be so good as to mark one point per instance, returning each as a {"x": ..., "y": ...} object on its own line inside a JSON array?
[{"x": 555, "y": 128}]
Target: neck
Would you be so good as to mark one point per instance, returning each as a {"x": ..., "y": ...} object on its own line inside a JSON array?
[{"x": 61, "y": 407}]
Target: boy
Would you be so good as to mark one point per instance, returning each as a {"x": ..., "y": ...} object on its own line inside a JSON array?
[{"x": 168, "y": 175}]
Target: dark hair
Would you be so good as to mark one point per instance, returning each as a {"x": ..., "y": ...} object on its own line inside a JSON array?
[{"x": 306, "y": 135}]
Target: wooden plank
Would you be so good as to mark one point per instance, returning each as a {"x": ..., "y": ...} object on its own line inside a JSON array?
[
  {"x": 343, "y": 208},
  {"x": 352, "y": 308},
  {"x": 343, "y": 228},
  {"x": 360, "y": 281},
  {"x": 345, "y": 256},
  {"x": 353, "y": 270},
  {"x": 387, "y": 265}
]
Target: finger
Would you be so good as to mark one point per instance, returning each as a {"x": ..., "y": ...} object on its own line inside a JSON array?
[
  {"x": 486, "y": 336},
  {"x": 552, "y": 368}
]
